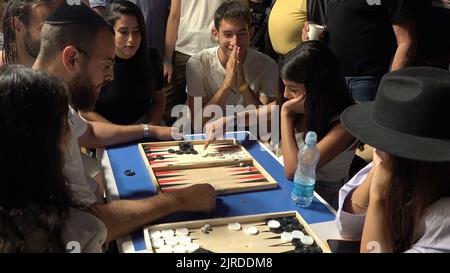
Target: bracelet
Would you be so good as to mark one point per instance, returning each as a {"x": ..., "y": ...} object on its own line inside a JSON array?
[
  {"x": 146, "y": 130},
  {"x": 243, "y": 87}
]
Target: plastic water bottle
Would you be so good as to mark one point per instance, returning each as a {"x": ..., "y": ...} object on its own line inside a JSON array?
[{"x": 305, "y": 175}]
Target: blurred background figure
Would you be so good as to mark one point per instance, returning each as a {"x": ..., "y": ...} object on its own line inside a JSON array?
[
  {"x": 100, "y": 6},
  {"x": 155, "y": 15},
  {"x": 22, "y": 23},
  {"x": 286, "y": 23}
]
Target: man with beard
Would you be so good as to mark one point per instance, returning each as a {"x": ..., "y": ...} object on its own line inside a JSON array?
[
  {"x": 22, "y": 25},
  {"x": 78, "y": 46}
]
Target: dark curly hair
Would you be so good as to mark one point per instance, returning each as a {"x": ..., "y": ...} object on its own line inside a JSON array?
[
  {"x": 313, "y": 64},
  {"x": 35, "y": 195}
]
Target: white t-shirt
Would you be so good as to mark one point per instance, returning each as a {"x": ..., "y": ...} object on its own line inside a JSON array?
[
  {"x": 83, "y": 189},
  {"x": 205, "y": 75},
  {"x": 85, "y": 231},
  {"x": 196, "y": 23}
]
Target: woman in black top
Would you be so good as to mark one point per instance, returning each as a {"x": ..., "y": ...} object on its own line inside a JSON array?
[{"x": 136, "y": 94}]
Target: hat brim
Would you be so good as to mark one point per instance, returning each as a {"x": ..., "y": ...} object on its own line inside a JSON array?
[{"x": 357, "y": 119}]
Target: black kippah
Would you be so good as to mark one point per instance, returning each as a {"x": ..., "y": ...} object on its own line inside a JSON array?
[{"x": 66, "y": 14}]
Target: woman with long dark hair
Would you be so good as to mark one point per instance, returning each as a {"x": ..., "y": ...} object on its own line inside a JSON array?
[
  {"x": 401, "y": 201},
  {"x": 136, "y": 94},
  {"x": 37, "y": 210},
  {"x": 316, "y": 95}
]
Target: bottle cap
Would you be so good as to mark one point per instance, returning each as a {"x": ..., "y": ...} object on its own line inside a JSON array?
[{"x": 311, "y": 138}]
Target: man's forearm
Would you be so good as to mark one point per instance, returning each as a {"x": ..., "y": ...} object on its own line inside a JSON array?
[
  {"x": 94, "y": 116},
  {"x": 250, "y": 97},
  {"x": 220, "y": 97},
  {"x": 403, "y": 56},
  {"x": 99, "y": 134},
  {"x": 122, "y": 217},
  {"x": 263, "y": 112},
  {"x": 406, "y": 44},
  {"x": 172, "y": 29}
]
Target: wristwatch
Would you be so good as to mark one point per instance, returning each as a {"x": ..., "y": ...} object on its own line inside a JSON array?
[{"x": 146, "y": 130}]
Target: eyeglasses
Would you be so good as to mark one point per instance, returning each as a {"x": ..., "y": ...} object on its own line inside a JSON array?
[{"x": 108, "y": 65}]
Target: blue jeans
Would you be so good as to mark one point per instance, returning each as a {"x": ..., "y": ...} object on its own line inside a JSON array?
[{"x": 363, "y": 88}]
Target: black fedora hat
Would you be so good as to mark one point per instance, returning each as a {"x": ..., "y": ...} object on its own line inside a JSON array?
[{"x": 410, "y": 117}]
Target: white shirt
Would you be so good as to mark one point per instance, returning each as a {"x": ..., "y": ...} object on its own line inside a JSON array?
[
  {"x": 83, "y": 232},
  {"x": 83, "y": 190},
  {"x": 196, "y": 23},
  {"x": 434, "y": 226},
  {"x": 205, "y": 75}
]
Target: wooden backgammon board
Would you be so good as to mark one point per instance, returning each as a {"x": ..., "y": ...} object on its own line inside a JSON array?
[
  {"x": 282, "y": 232},
  {"x": 225, "y": 164}
]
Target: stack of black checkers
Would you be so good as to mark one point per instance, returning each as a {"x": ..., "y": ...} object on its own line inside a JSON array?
[
  {"x": 290, "y": 224},
  {"x": 146, "y": 149},
  {"x": 148, "y": 152},
  {"x": 184, "y": 148}
]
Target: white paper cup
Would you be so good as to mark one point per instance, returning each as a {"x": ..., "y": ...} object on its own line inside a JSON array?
[{"x": 314, "y": 31}]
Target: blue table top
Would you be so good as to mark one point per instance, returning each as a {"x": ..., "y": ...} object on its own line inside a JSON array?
[{"x": 264, "y": 201}]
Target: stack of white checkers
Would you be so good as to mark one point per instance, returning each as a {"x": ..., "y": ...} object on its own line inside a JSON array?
[{"x": 169, "y": 241}]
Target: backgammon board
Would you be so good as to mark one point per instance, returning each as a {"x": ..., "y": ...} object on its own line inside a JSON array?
[
  {"x": 225, "y": 164},
  {"x": 280, "y": 232}
]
